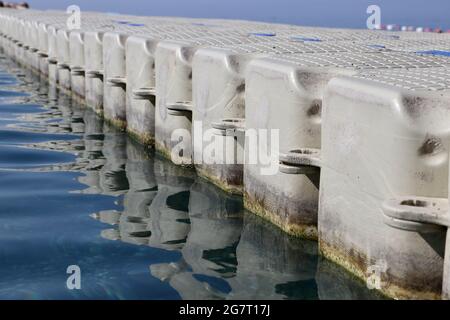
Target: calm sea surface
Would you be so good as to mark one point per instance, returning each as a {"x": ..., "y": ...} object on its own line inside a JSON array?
[{"x": 74, "y": 191}]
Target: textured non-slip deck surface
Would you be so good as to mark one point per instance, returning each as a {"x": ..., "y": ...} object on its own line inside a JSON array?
[
  {"x": 381, "y": 60},
  {"x": 278, "y": 46},
  {"x": 432, "y": 79}
]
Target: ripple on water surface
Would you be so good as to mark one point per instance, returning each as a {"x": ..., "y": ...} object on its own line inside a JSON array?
[{"x": 75, "y": 191}]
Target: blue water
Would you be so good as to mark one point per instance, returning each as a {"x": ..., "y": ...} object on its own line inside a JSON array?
[{"x": 74, "y": 191}]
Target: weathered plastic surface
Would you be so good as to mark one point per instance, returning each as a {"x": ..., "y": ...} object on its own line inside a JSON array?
[
  {"x": 93, "y": 48},
  {"x": 219, "y": 94},
  {"x": 115, "y": 73},
  {"x": 140, "y": 74},
  {"x": 43, "y": 48},
  {"x": 174, "y": 85},
  {"x": 52, "y": 55},
  {"x": 114, "y": 99},
  {"x": 129, "y": 70},
  {"x": 394, "y": 144},
  {"x": 422, "y": 214},
  {"x": 140, "y": 100},
  {"x": 31, "y": 37},
  {"x": 63, "y": 59},
  {"x": 279, "y": 96},
  {"x": 285, "y": 93},
  {"x": 77, "y": 64}
]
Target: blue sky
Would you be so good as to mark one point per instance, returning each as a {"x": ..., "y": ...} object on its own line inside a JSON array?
[{"x": 329, "y": 13}]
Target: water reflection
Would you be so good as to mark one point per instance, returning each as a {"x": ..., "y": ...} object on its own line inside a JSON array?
[{"x": 221, "y": 252}]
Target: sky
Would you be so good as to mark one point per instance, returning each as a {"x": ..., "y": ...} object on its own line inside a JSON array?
[{"x": 326, "y": 13}]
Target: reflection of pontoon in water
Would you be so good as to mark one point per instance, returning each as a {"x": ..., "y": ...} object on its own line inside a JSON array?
[
  {"x": 271, "y": 265},
  {"x": 209, "y": 251},
  {"x": 93, "y": 155},
  {"x": 166, "y": 208},
  {"x": 113, "y": 179},
  {"x": 154, "y": 211},
  {"x": 222, "y": 257}
]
